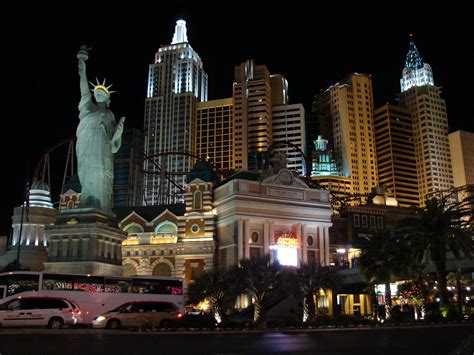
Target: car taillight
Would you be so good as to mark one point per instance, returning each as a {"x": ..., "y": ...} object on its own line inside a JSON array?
[
  {"x": 75, "y": 312},
  {"x": 179, "y": 315}
]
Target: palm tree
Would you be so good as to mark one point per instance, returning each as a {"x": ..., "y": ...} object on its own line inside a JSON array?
[
  {"x": 384, "y": 256},
  {"x": 214, "y": 286},
  {"x": 311, "y": 279},
  {"x": 262, "y": 280},
  {"x": 443, "y": 226}
]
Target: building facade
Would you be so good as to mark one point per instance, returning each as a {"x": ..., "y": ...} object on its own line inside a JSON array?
[
  {"x": 176, "y": 82},
  {"x": 252, "y": 96},
  {"x": 128, "y": 169},
  {"x": 430, "y": 125},
  {"x": 280, "y": 216},
  {"x": 345, "y": 114},
  {"x": 172, "y": 240},
  {"x": 215, "y": 132},
  {"x": 28, "y": 240},
  {"x": 289, "y": 126},
  {"x": 395, "y": 148},
  {"x": 219, "y": 224},
  {"x": 461, "y": 144},
  {"x": 325, "y": 174}
]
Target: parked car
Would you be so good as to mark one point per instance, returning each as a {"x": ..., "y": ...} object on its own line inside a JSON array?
[
  {"x": 53, "y": 312},
  {"x": 138, "y": 314}
]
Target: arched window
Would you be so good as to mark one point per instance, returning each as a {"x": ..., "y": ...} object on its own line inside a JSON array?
[
  {"x": 70, "y": 205},
  {"x": 167, "y": 227},
  {"x": 133, "y": 228},
  {"x": 162, "y": 269},
  {"x": 197, "y": 200}
]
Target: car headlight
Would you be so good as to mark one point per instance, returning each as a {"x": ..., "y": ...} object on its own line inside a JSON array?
[{"x": 100, "y": 318}]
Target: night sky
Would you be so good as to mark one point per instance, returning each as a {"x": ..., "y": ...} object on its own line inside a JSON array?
[{"x": 312, "y": 45}]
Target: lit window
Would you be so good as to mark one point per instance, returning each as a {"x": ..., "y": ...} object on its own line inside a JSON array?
[{"x": 197, "y": 200}]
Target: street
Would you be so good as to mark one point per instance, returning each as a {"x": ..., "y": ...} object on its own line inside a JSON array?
[{"x": 402, "y": 340}]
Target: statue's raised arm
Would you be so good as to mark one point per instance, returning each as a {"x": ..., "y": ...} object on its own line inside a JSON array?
[{"x": 82, "y": 56}]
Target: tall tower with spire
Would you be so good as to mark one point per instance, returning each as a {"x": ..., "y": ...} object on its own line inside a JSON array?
[
  {"x": 415, "y": 73},
  {"x": 176, "y": 82},
  {"x": 430, "y": 125}
]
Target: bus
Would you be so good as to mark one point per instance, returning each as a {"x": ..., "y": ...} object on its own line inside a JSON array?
[{"x": 94, "y": 294}]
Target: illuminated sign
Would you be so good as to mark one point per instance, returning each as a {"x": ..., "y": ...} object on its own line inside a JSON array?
[{"x": 287, "y": 240}]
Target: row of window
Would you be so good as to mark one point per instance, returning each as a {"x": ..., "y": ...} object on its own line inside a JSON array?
[{"x": 374, "y": 221}]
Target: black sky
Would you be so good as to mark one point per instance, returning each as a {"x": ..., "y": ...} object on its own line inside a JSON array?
[{"x": 312, "y": 43}]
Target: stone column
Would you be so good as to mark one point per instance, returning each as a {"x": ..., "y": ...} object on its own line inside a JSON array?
[
  {"x": 299, "y": 242},
  {"x": 266, "y": 237},
  {"x": 75, "y": 244},
  {"x": 240, "y": 240},
  {"x": 27, "y": 240},
  {"x": 321, "y": 245},
  {"x": 85, "y": 246},
  {"x": 54, "y": 247},
  {"x": 326, "y": 245},
  {"x": 118, "y": 252},
  {"x": 100, "y": 246},
  {"x": 271, "y": 239},
  {"x": 65, "y": 248},
  {"x": 246, "y": 238},
  {"x": 304, "y": 244}
]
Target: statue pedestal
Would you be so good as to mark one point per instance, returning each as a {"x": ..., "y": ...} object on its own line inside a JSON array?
[{"x": 85, "y": 241}]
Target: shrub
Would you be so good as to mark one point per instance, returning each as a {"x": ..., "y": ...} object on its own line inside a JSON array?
[
  {"x": 401, "y": 315},
  {"x": 449, "y": 312}
]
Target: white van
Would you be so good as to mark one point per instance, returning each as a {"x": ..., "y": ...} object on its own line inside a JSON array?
[
  {"x": 39, "y": 311},
  {"x": 136, "y": 314}
]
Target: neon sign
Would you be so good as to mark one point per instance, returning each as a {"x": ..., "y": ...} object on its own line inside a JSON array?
[{"x": 287, "y": 240}]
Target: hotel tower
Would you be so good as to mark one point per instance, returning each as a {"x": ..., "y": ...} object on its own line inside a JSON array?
[
  {"x": 176, "y": 82},
  {"x": 430, "y": 125}
]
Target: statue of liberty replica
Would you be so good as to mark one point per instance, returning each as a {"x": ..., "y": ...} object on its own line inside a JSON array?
[
  {"x": 98, "y": 138},
  {"x": 87, "y": 239}
]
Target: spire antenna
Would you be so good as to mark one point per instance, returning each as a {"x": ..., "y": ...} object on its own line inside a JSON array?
[{"x": 180, "y": 32}]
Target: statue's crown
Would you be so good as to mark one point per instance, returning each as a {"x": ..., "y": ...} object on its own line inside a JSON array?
[{"x": 102, "y": 87}]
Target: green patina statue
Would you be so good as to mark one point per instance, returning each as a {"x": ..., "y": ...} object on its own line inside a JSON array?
[{"x": 98, "y": 138}]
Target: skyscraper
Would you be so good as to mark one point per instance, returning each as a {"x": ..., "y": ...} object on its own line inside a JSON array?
[
  {"x": 176, "y": 82},
  {"x": 264, "y": 119},
  {"x": 395, "y": 150},
  {"x": 345, "y": 114},
  {"x": 253, "y": 114},
  {"x": 430, "y": 124}
]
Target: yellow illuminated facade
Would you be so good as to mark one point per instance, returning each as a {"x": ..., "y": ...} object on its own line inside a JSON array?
[
  {"x": 461, "y": 144},
  {"x": 396, "y": 158},
  {"x": 345, "y": 115},
  {"x": 215, "y": 132}
]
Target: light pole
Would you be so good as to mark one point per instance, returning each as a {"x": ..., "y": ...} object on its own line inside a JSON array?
[{"x": 25, "y": 203}]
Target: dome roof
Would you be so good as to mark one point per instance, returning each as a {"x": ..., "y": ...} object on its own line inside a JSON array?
[
  {"x": 39, "y": 185},
  {"x": 39, "y": 195}
]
